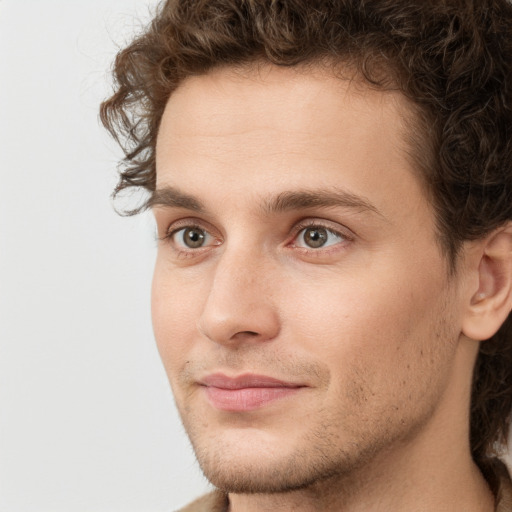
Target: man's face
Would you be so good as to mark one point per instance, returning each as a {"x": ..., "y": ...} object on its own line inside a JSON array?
[{"x": 301, "y": 304}]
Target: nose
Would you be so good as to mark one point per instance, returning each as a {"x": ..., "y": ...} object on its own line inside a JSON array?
[{"x": 239, "y": 307}]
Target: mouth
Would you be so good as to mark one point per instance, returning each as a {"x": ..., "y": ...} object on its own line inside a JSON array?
[{"x": 246, "y": 392}]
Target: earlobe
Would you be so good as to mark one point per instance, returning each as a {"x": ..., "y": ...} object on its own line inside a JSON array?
[{"x": 491, "y": 302}]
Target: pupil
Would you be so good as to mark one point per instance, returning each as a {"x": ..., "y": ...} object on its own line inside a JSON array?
[
  {"x": 315, "y": 237},
  {"x": 193, "y": 237}
]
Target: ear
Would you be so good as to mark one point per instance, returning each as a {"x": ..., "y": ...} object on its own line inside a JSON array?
[{"x": 491, "y": 302}]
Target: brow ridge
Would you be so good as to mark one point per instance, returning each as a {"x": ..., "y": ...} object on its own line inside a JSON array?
[
  {"x": 299, "y": 199},
  {"x": 172, "y": 197}
]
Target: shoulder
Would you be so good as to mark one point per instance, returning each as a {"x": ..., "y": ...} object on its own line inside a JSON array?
[{"x": 215, "y": 501}]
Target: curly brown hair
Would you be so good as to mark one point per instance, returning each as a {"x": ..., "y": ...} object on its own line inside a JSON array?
[{"x": 451, "y": 58}]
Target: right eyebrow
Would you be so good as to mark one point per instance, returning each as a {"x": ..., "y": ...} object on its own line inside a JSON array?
[
  {"x": 171, "y": 197},
  {"x": 302, "y": 199}
]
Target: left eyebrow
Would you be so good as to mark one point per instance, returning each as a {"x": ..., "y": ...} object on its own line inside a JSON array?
[
  {"x": 171, "y": 197},
  {"x": 300, "y": 199}
]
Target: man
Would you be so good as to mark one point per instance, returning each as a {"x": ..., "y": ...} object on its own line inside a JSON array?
[{"x": 332, "y": 185}]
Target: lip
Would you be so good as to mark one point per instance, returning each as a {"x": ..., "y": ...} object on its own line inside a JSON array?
[{"x": 245, "y": 392}]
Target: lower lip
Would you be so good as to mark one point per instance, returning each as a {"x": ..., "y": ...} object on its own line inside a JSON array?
[{"x": 245, "y": 399}]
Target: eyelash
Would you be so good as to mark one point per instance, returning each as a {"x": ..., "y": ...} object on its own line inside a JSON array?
[
  {"x": 176, "y": 228},
  {"x": 298, "y": 228},
  {"x": 188, "y": 225},
  {"x": 312, "y": 224}
]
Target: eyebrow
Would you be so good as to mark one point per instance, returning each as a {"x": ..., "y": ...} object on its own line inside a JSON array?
[
  {"x": 171, "y": 197},
  {"x": 301, "y": 199}
]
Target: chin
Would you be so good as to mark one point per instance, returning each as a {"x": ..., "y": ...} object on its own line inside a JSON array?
[
  {"x": 257, "y": 467},
  {"x": 265, "y": 476}
]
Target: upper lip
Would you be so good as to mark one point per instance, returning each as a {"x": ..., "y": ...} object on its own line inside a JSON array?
[{"x": 247, "y": 380}]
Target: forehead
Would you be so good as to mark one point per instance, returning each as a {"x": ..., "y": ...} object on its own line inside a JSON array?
[
  {"x": 227, "y": 102},
  {"x": 264, "y": 129}
]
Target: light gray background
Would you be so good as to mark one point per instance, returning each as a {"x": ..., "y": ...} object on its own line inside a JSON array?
[{"x": 87, "y": 421}]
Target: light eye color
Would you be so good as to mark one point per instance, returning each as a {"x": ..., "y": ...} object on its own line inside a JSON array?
[
  {"x": 192, "y": 237},
  {"x": 310, "y": 237},
  {"x": 317, "y": 237}
]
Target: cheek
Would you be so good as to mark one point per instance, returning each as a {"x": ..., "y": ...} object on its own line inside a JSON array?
[
  {"x": 383, "y": 329},
  {"x": 344, "y": 311},
  {"x": 174, "y": 311}
]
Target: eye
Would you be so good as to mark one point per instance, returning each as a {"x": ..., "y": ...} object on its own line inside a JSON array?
[
  {"x": 316, "y": 237},
  {"x": 191, "y": 237}
]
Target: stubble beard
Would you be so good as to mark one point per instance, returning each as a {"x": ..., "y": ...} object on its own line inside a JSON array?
[
  {"x": 321, "y": 460},
  {"x": 338, "y": 451}
]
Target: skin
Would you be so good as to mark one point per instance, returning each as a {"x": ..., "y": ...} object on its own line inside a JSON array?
[{"x": 370, "y": 325}]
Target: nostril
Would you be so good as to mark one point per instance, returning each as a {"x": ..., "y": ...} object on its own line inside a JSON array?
[
  {"x": 246, "y": 336},
  {"x": 227, "y": 322}
]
